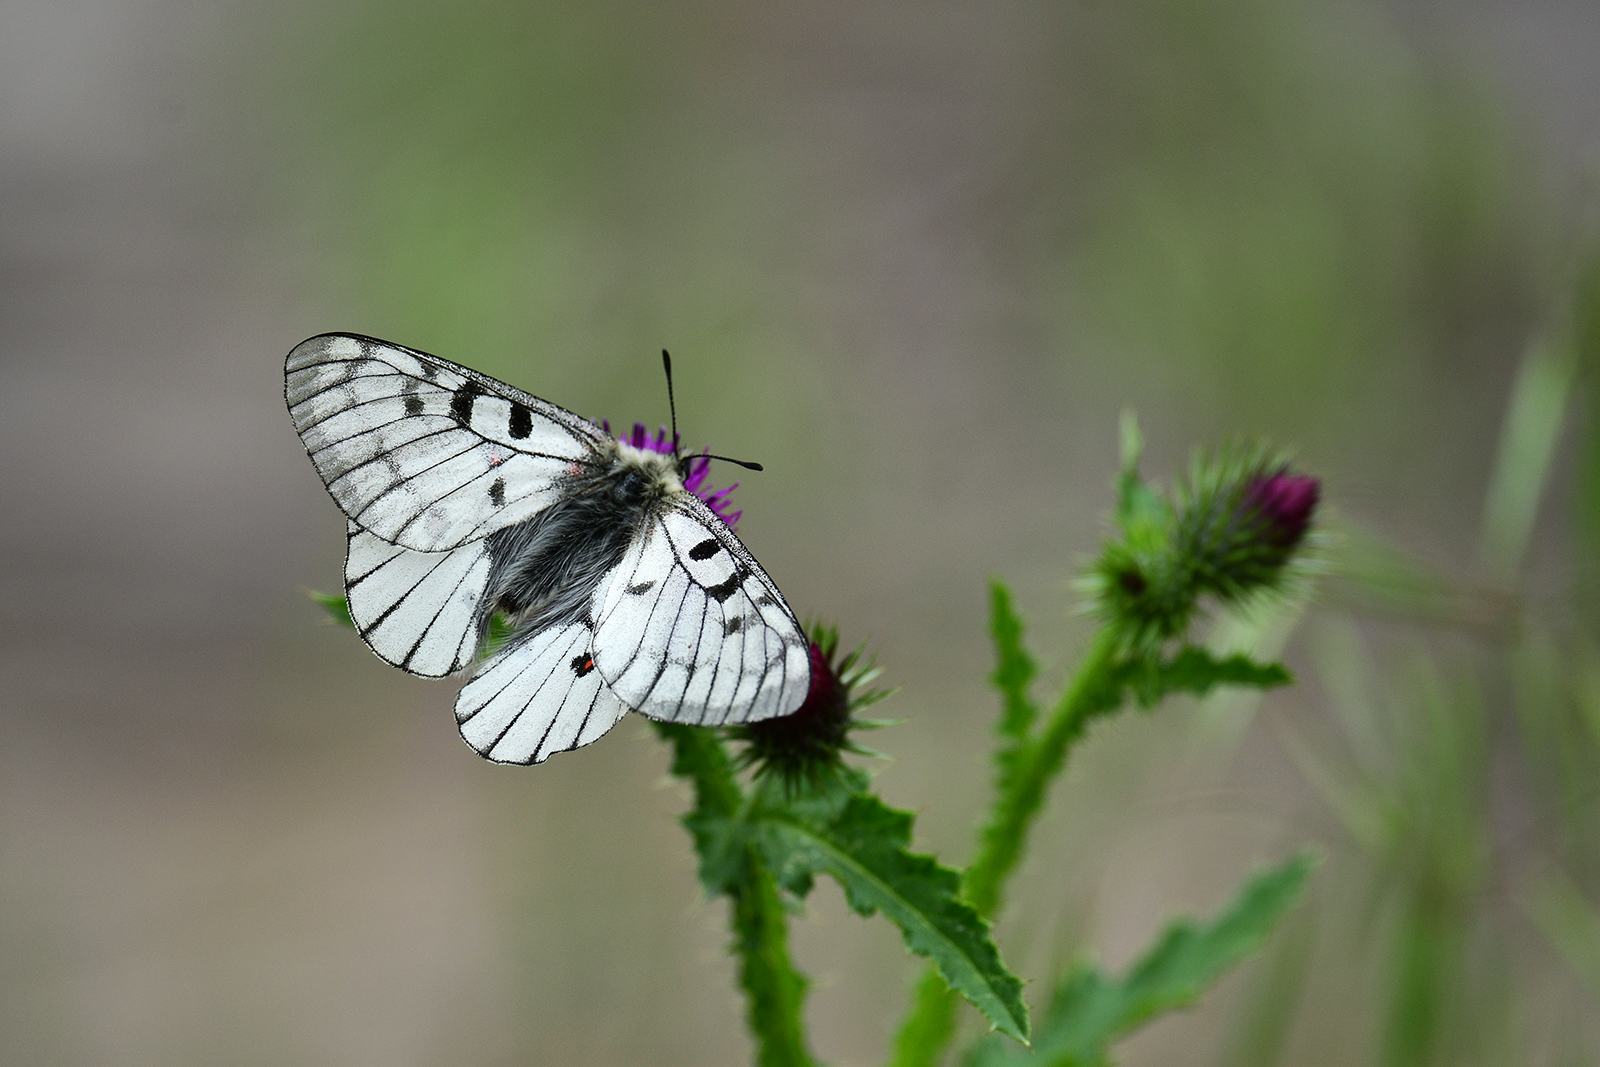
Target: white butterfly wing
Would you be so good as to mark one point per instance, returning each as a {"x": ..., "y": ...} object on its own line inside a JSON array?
[
  {"x": 539, "y": 694},
  {"x": 689, "y": 628},
  {"x": 416, "y": 610},
  {"x": 424, "y": 453}
]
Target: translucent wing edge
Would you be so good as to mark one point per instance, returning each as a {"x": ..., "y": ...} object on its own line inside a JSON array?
[{"x": 577, "y": 424}]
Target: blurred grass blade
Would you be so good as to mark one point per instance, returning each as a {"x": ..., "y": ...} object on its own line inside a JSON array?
[
  {"x": 1259, "y": 632},
  {"x": 1371, "y": 576},
  {"x": 1360, "y": 805},
  {"x": 1570, "y": 924},
  {"x": 1532, "y": 427}
]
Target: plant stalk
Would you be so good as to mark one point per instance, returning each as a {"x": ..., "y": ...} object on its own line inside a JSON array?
[
  {"x": 1095, "y": 690},
  {"x": 774, "y": 990}
]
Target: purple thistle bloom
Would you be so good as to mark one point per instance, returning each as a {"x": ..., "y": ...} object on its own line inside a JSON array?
[
  {"x": 718, "y": 500},
  {"x": 1240, "y": 537},
  {"x": 1281, "y": 505}
]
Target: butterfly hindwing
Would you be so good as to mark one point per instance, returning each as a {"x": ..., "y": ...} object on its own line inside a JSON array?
[
  {"x": 689, "y": 628},
  {"x": 424, "y": 453},
  {"x": 537, "y": 695},
  {"x": 417, "y": 610}
]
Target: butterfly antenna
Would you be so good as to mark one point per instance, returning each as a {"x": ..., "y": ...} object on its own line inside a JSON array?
[
  {"x": 666, "y": 365},
  {"x": 746, "y": 464}
]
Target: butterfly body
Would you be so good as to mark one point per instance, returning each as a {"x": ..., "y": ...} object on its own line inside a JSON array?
[
  {"x": 544, "y": 570},
  {"x": 467, "y": 498}
]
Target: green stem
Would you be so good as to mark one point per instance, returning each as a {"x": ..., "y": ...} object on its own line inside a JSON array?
[
  {"x": 1095, "y": 690},
  {"x": 929, "y": 1025},
  {"x": 700, "y": 756},
  {"x": 774, "y": 990}
]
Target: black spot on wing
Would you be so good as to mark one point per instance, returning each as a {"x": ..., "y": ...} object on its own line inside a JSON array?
[
  {"x": 733, "y": 625},
  {"x": 497, "y": 492},
  {"x": 765, "y": 600},
  {"x": 582, "y": 664},
  {"x": 521, "y": 421},
  {"x": 413, "y": 405},
  {"x": 461, "y": 401},
  {"x": 706, "y": 549},
  {"x": 723, "y": 590},
  {"x": 430, "y": 371},
  {"x": 641, "y": 588}
]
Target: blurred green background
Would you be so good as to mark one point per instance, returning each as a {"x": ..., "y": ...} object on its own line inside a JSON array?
[{"x": 916, "y": 258}]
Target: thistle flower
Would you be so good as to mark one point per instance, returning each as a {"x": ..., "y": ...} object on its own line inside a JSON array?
[
  {"x": 1228, "y": 533},
  {"x": 718, "y": 500},
  {"x": 1283, "y": 503},
  {"x": 807, "y": 746},
  {"x": 1243, "y": 526}
]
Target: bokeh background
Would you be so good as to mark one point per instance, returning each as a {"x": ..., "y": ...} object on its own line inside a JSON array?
[{"x": 916, "y": 258}]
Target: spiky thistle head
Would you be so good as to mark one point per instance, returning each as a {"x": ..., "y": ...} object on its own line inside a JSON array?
[
  {"x": 807, "y": 747},
  {"x": 1229, "y": 532},
  {"x": 1240, "y": 520}
]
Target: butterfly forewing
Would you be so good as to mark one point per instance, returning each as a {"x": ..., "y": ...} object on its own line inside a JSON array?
[
  {"x": 424, "y": 453},
  {"x": 416, "y": 610},
  {"x": 689, "y": 628},
  {"x": 537, "y": 695}
]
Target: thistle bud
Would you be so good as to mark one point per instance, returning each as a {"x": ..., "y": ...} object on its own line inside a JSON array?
[
  {"x": 1282, "y": 504},
  {"x": 808, "y": 745},
  {"x": 1227, "y": 533},
  {"x": 1238, "y": 536}
]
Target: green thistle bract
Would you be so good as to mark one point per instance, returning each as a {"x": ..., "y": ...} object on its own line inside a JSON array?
[{"x": 1245, "y": 518}]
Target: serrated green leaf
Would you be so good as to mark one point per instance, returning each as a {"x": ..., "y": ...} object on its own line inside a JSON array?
[
  {"x": 720, "y": 843},
  {"x": 818, "y": 802},
  {"x": 864, "y": 847},
  {"x": 1196, "y": 671},
  {"x": 700, "y": 756},
  {"x": 1188, "y": 957},
  {"x": 337, "y": 607},
  {"x": 1089, "y": 1011}
]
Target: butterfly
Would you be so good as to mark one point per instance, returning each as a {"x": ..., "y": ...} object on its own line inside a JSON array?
[{"x": 467, "y": 499}]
